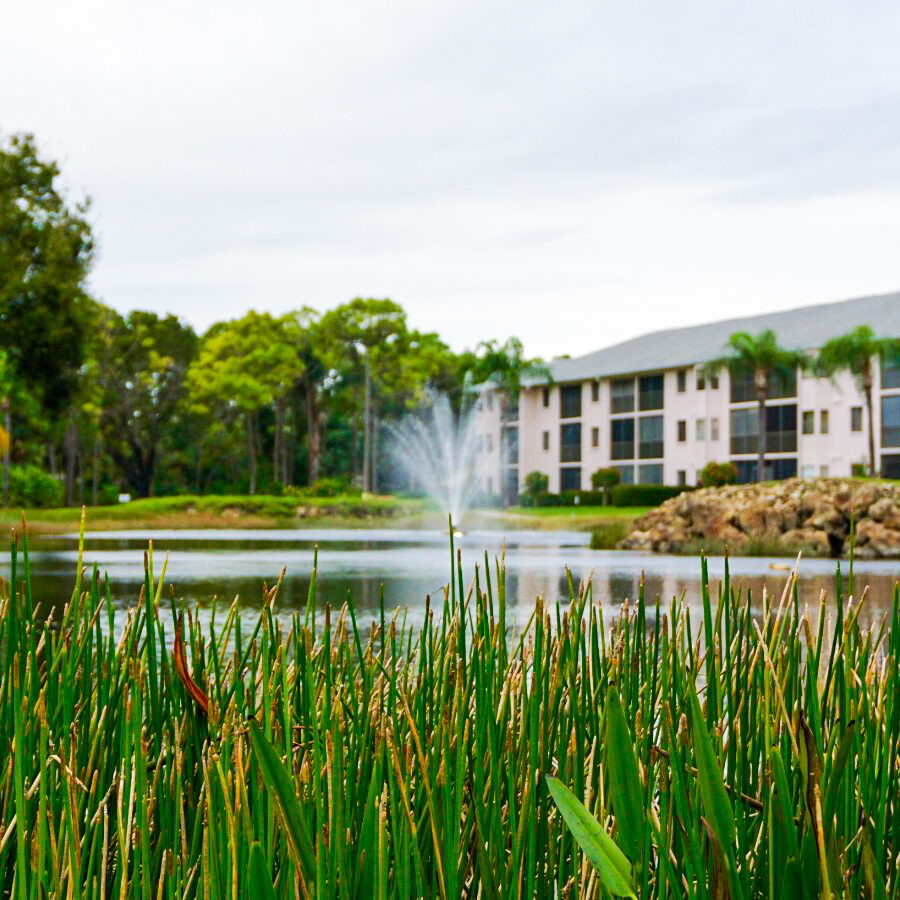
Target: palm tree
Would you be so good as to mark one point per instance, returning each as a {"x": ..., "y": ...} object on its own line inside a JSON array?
[
  {"x": 506, "y": 366},
  {"x": 855, "y": 352},
  {"x": 763, "y": 357}
]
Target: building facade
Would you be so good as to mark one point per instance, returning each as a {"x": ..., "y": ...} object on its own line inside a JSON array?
[{"x": 645, "y": 408}]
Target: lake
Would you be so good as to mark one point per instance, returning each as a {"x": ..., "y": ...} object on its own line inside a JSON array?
[{"x": 207, "y": 564}]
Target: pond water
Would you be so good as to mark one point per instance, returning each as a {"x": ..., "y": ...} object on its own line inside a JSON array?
[{"x": 208, "y": 564}]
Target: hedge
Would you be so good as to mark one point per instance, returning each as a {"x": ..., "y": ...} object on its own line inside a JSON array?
[
  {"x": 31, "y": 486},
  {"x": 644, "y": 494}
]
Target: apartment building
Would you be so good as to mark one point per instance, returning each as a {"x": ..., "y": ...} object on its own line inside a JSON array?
[{"x": 644, "y": 407}]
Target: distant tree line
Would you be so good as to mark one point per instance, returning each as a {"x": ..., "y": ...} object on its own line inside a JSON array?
[{"x": 143, "y": 404}]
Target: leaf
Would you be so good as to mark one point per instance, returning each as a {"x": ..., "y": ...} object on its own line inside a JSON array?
[
  {"x": 718, "y": 866},
  {"x": 280, "y": 786},
  {"x": 260, "y": 883},
  {"x": 181, "y": 668},
  {"x": 610, "y": 862},
  {"x": 624, "y": 781},
  {"x": 713, "y": 795}
]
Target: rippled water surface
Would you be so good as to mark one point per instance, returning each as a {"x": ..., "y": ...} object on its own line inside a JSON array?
[{"x": 207, "y": 564}]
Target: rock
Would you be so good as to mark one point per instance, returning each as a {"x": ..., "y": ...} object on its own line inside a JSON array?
[
  {"x": 814, "y": 514},
  {"x": 875, "y": 540},
  {"x": 809, "y": 539}
]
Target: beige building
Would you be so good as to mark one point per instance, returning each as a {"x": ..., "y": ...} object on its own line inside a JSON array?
[{"x": 644, "y": 407}]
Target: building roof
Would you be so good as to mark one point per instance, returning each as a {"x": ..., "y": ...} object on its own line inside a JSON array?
[{"x": 806, "y": 328}]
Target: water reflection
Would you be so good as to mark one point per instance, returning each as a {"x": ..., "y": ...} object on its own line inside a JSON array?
[{"x": 205, "y": 566}]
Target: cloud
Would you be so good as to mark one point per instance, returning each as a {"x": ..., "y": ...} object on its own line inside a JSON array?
[{"x": 573, "y": 173}]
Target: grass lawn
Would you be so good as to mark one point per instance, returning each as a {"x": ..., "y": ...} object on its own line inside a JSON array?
[
  {"x": 259, "y": 511},
  {"x": 579, "y": 518}
]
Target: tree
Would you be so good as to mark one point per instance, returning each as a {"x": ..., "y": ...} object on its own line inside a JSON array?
[
  {"x": 243, "y": 366},
  {"x": 506, "y": 366},
  {"x": 46, "y": 249},
  {"x": 605, "y": 480},
  {"x": 762, "y": 357},
  {"x": 536, "y": 483},
  {"x": 855, "y": 353},
  {"x": 142, "y": 366}
]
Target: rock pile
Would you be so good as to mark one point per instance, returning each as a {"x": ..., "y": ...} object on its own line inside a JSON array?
[{"x": 809, "y": 514}]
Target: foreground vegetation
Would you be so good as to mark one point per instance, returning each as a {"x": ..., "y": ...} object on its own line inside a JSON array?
[{"x": 730, "y": 756}]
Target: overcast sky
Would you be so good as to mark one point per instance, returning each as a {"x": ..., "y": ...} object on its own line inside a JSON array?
[{"x": 572, "y": 173}]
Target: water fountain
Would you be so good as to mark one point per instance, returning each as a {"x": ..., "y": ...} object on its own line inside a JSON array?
[{"x": 439, "y": 453}]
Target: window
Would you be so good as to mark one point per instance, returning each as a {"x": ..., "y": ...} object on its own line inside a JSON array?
[
  {"x": 490, "y": 485},
  {"x": 701, "y": 429},
  {"x": 595, "y": 391},
  {"x": 622, "y": 395},
  {"x": 682, "y": 431},
  {"x": 682, "y": 381},
  {"x": 650, "y": 392},
  {"x": 480, "y": 405},
  {"x": 714, "y": 429},
  {"x": 714, "y": 381},
  {"x": 651, "y": 437},
  {"x": 545, "y": 396},
  {"x": 511, "y": 411},
  {"x": 890, "y": 374},
  {"x": 856, "y": 418},
  {"x": 650, "y": 474},
  {"x": 701, "y": 381},
  {"x": 595, "y": 437},
  {"x": 778, "y": 385},
  {"x": 744, "y": 430},
  {"x": 570, "y": 442},
  {"x": 809, "y": 421},
  {"x": 890, "y": 421},
  {"x": 512, "y": 445},
  {"x": 626, "y": 474},
  {"x": 682, "y": 477},
  {"x": 546, "y": 440},
  {"x": 570, "y": 401},
  {"x": 890, "y": 465},
  {"x": 570, "y": 478},
  {"x": 622, "y": 435},
  {"x": 781, "y": 428},
  {"x": 490, "y": 401},
  {"x": 823, "y": 421},
  {"x": 489, "y": 439},
  {"x": 775, "y": 469}
]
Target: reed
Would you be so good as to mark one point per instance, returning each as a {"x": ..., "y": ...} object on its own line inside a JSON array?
[{"x": 725, "y": 757}]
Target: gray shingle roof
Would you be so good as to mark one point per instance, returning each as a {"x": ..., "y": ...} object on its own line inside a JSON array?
[{"x": 806, "y": 328}]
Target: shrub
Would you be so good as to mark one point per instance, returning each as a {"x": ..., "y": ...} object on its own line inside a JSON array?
[
  {"x": 859, "y": 470},
  {"x": 644, "y": 494},
  {"x": 715, "y": 474},
  {"x": 325, "y": 487},
  {"x": 32, "y": 486},
  {"x": 536, "y": 483}
]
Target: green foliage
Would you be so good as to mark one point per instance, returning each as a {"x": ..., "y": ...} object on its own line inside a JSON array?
[
  {"x": 858, "y": 470},
  {"x": 716, "y": 474},
  {"x": 46, "y": 249},
  {"x": 328, "y": 487},
  {"x": 608, "y": 535},
  {"x": 729, "y": 749},
  {"x": 644, "y": 494},
  {"x": 605, "y": 479},
  {"x": 536, "y": 483},
  {"x": 31, "y": 486},
  {"x": 605, "y": 856}
]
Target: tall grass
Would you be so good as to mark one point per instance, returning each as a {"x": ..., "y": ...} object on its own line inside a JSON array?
[{"x": 724, "y": 757}]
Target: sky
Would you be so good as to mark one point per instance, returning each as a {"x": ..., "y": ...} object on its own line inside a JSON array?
[{"x": 573, "y": 173}]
